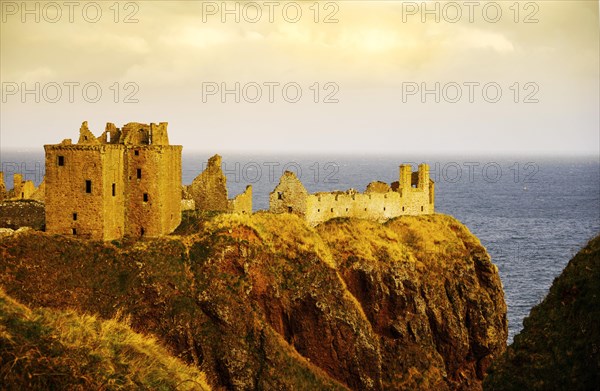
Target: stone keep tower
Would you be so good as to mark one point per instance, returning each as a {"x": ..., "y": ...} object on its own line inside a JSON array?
[{"x": 125, "y": 182}]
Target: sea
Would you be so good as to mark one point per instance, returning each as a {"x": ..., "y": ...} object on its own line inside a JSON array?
[{"x": 531, "y": 213}]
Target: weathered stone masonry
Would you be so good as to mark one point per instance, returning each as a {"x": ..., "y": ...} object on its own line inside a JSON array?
[
  {"x": 208, "y": 191},
  {"x": 413, "y": 194},
  {"x": 125, "y": 182}
]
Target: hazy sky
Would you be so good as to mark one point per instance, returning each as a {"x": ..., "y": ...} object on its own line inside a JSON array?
[{"x": 365, "y": 63}]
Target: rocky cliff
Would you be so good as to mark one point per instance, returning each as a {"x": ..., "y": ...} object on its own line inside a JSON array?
[
  {"x": 267, "y": 302},
  {"x": 559, "y": 346}
]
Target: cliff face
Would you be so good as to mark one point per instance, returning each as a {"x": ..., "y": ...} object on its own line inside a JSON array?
[
  {"x": 559, "y": 346},
  {"x": 266, "y": 302}
]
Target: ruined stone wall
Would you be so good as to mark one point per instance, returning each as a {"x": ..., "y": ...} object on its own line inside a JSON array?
[
  {"x": 209, "y": 188},
  {"x": 376, "y": 206},
  {"x": 380, "y": 201},
  {"x": 208, "y": 191},
  {"x": 290, "y": 196},
  {"x": 242, "y": 203},
  {"x": 22, "y": 190},
  {"x": 39, "y": 193},
  {"x": 135, "y": 133}
]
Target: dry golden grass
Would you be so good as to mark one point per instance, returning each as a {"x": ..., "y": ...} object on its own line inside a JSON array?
[
  {"x": 367, "y": 240},
  {"x": 47, "y": 349},
  {"x": 286, "y": 233}
]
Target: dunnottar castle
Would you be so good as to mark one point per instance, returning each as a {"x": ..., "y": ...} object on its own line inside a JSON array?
[{"x": 127, "y": 182}]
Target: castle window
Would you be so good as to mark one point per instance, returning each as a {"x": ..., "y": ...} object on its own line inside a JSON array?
[
  {"x": 136, "y": 153},
  {"x": 61, "y": 160},
  {"x": 139, "y": 173},
  {"x": 74, "y": 216},
  {"x": 22, "y": 195},
  {"x": 384, "y": 208},
  {"x": 114, "y": 189},
  {"x": 279, "y": 195},
  {"x": 402, "y": 209},
  {"x": 346, "y": 209},
  {"x": 318, "y": 210},
  {"x": 142, "y": 231},
  {"x": 365, "y": 209},
  {"x": 88, "y": 186},
  {"x": 332, "y": 209},
  {"x": 145, "y": 197},
  {"x": 421, "y": 208},
  {"x": 74, "y": 231},
  {"x": 290, "y": 209}
]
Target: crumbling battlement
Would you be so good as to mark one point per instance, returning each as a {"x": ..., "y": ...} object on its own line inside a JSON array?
[
  {"x": 241, "y": 203},
  {"x": 125, "y": 182},
  {"x": 413, "y": 194},
  {"x": 209, "y": 191}
]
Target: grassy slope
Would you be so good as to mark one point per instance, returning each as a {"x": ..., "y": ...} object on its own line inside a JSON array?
[
  {"x": 47, "y": 349},
  {"x": 559, "y": 346}
]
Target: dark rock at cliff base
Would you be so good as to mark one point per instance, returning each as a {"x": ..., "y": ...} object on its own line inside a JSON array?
[
  {"x": 559, "y": 346},
  {"x": 267, "y": 302}
]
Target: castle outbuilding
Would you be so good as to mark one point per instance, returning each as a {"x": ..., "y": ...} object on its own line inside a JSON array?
[
  {"x": 125, "y": 182},
  {"x": 413, "y": 194}
]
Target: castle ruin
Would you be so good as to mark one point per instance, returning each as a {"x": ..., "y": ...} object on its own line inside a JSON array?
[
  {"x": 413, "y": 194},
  {"x": 22, "y": 189},
  {"x": 208, "y": 191},
  {"x": 125, "y": 182}
]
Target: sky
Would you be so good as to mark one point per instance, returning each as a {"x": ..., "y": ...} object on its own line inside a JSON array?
[{"x": 372, "y": 77}]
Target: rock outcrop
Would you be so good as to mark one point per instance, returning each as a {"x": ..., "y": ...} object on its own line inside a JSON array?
[
  {"x": 267, "y": 302},
  {"x": 559, "y": 346}
]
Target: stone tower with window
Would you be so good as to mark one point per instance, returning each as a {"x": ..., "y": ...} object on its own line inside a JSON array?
[{"x": 125, "y": 182}]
